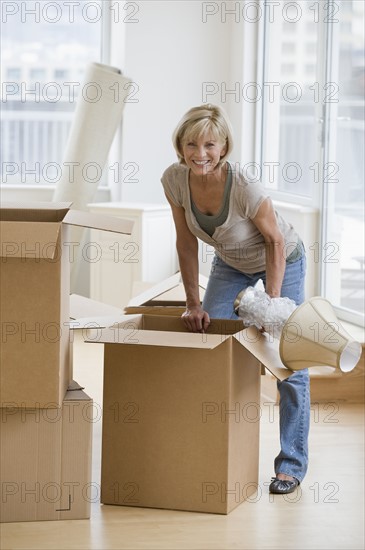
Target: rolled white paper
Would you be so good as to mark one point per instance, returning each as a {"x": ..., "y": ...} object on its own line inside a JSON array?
[{"x": 97, "y": 116}]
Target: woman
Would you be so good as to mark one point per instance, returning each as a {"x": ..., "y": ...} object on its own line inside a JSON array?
[{"x": 212, "y": 201}]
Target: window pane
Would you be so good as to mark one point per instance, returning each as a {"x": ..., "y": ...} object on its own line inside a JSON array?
[
  {"x": 344, "y": 282},
  {"x": 290, "y": 132},
  {"x": 45, "y": 50}
]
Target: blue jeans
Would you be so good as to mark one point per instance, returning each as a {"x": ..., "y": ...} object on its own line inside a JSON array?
[{"x": 224, "y": 284}]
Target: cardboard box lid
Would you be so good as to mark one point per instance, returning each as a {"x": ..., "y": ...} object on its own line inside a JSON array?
[
  {"x": 263, "y": 347},
  {"x": 170, "y": 291},
  {"x": 75, "y": 392},
  {"x": 35, "y": 211},
  {"x": 61, "y": 212},
  {"x": 81, "y": 306},
  {"x": 88, "y": 313},
  {"x": 98, "y": 221},
  {"x": 169, "y": 310},
  {"x": 19, "y": 239},
  {"x": 150, "y": 330},
  {"x": 159, "y": 338},
  {"x": 266, "y": 349}
]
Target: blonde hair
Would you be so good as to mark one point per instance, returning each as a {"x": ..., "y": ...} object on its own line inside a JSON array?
[{"x": 199, "y": 120}]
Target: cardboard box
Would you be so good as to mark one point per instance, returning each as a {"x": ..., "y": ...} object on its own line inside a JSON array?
[
  {"x": 34, "y": 297},
  {"x": 164, "y": 298},
  {"x": 46, "y": 461},
  {"x": 168, "y": 298},
  {"x": 181, "y": 413}
]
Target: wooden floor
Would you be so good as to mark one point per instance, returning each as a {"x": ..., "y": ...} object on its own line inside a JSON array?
[{"x": 327, "y": 512}]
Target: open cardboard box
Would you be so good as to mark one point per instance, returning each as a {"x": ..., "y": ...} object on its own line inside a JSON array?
[
  {"x": 45, "y": 462},
  {"x": 34, "y": 298},
  {"x": 168, "y": 298},
  {"x": 164, "y": 298},
  {"x": 181, "y": 413}
]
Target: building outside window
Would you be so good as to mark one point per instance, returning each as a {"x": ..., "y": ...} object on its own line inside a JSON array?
[
  {"x": 38, "y": 100},
  {"x": 312, "y": 136}
]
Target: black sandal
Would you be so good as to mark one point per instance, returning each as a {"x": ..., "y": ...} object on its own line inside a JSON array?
[{"x": 282, "y": 486}]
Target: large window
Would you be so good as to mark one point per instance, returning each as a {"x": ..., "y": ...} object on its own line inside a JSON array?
[
  {"x": 312, "y": 129},
  {"x": 343, "y": 148},
  {"x": 289, "y": 154},
  {"x": 45, "y": 49}
]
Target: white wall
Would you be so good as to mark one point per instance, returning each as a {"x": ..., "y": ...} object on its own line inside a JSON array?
[{"x": 169, "y": 53}]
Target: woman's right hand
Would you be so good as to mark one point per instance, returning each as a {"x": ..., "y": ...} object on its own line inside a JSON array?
[{"x": 196, "y": 319}]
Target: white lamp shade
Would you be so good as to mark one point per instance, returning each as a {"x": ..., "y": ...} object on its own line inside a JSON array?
[{"x": 313, "y": 336}]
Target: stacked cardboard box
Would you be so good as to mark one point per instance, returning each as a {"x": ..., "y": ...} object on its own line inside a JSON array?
[
  {"x": 45, "y": 432},
  {"x": 46, "y": 460}
]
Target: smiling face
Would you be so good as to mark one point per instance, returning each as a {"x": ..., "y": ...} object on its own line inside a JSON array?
[
  {"x": 202, "y": 154},
  {"x": 203, "y": 139}
]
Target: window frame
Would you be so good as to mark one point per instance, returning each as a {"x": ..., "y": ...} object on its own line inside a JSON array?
[
  {"x": 319, "y": 198},
  {"x": 111, "y": 52}
]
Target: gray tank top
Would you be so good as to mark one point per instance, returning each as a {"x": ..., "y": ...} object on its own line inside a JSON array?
[{"x": 208, "y": 222}]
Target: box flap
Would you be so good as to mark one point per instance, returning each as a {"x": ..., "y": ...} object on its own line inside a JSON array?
[
  {"x": 170, "y": 291},
  {"x": 80, "y": 307},
  {"x": 174, "y": 296},
  {"x": 156, "y": 290},
  {"x": 135, "y": 336},
  {"x": 266, "y": 349},
  {"x": 156, "y": 310},
  {"x": 29, "y": 239},
  {"x": 99, "y": 221},
  {"x": 102, "y": 321},
  {"x": 176, "y": 324},
  {"x": 73, "y": 386},
  {"x": 76, "y": 395},
  {"x": 34, "y": 211}
]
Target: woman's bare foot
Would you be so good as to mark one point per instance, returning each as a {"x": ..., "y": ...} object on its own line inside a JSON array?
[{"x": 285, "y": 477}]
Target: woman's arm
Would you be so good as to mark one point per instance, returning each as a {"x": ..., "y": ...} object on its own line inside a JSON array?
[
  {"x": 265, "y": 221},
  {"x": 195, "y": 318}
]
